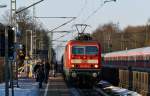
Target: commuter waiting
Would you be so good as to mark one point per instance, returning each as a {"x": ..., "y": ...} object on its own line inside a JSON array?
[
  {"x": 39, "y": 72},
  {"x": 46, "y": 71}
]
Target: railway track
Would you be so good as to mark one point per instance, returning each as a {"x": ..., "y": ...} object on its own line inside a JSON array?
[
  {"x": 58, "y": 87},
  {"x": 89, "y": 92},
  {"x": 84, "y": 92}
]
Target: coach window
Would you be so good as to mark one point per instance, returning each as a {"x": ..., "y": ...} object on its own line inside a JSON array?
[
  {"x": 140, "y": 59},
  {"x": 109, "y": 60},
  {"x": 135, "y": 60},
  {"x": 144, "y": 59},
  {"x": 104, "y": 59},
  {"x": 112, "y": 60},
  {"x": 130, "y": 60},
  {"x": 116, "y": 58},
  {"x": 124, "y": 60},
  {"x": 119, "y": 59},
  {"x": 122, "y": 63}
]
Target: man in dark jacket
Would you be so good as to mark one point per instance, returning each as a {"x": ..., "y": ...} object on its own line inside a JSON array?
[
  {"x": 35, "y": 70},
  {"x": 46, "y": 68},
  {"x": 39, "y": 70}
]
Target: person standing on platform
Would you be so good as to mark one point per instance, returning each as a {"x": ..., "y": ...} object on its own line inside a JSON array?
[
  {"x": 46, "y": 68},
  {"x": 39, "y": 70},
  {"x": 35, "y": 70},
  {"x": 41, "y": 75},
  {"x": 56, "y": 67}
]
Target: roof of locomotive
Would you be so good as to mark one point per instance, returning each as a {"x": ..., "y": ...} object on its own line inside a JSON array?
[
  {"x": 131, "y": 52},
  {"x": 82, "y": 42}
]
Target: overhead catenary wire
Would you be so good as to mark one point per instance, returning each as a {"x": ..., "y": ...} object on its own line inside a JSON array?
[
  {"x": 48, "y": 17},
  {"x": 61, "y": 36},
  {"x": 81, "y": 10},
  {"x": 53, "y": 30},
  {"x": 97, "y": 9},
  {"x": 73, "y": 19},
  {"x": 67, "y": 22},
  {"x": 80, "y": 13},
  {"x": 60, "y": 41},
  {"x": 63, "y": 24},
  {"x": 103, "y": 2},
  {"x": 87, "y": 17},
  {"x": 94, "y": 12}
]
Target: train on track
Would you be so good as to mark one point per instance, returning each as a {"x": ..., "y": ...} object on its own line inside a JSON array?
[
  {"x": 137, "y": 58},
  {"x": 133, "y": 68},
  {"x": 82, "y": 61}
]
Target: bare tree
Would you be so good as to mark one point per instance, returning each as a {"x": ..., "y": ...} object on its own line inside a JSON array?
[
  {"x": 25, "y": 22},
  {"x": 110, "y": 36},
  {"x": 104, "y": 34}
]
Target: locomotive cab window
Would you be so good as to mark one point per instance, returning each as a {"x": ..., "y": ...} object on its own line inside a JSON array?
[
  {"x": 89, "y": 50},
  {"x": 77, "y": 50}
]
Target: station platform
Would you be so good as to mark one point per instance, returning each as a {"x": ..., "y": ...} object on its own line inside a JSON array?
[
  {"x": 56, "y": 86},
  {"x": 26, "y": 87}
]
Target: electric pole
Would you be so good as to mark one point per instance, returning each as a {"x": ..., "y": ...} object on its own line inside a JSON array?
[
  {"x": 33, "y": 47},
  {"x": 12, "y": 22}
]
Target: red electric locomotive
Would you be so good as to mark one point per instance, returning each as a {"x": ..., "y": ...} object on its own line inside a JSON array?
[{"x": 82, "y": 61}]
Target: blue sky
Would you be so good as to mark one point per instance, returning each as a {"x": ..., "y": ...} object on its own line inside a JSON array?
[{"x": 123, "y": 12}]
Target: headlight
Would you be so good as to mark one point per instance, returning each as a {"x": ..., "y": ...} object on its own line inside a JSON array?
[
  {"x": 72, "y": 65},
  {"x": 95, "y": 66},
  {"x": 74, "y": 74},
  {"x": 94, "y": 74}
]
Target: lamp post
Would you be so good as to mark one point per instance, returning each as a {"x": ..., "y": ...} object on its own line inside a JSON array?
[
  {"x": 6, "y": 63},
  {"x": 30, "y": 53},
  {"x": 6, "y": 59}
]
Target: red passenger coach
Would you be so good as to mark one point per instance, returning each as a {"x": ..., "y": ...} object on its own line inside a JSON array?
[{"x": 82, "y": 60}]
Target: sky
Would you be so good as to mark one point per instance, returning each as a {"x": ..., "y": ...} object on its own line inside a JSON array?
[{"x": 121, "y": 12}]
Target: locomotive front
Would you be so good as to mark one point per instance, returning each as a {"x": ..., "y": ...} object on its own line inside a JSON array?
[{"x": 83, "y": 61}]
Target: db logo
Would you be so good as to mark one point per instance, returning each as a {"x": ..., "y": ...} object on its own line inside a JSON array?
[{"x": 84, "y": 61}]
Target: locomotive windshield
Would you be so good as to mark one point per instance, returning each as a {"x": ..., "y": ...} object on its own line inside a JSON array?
[
  {"x": 78, "y": 50},
  {"x": 89, "y": 50}
]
